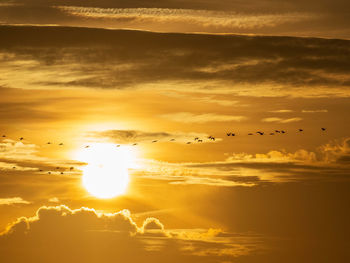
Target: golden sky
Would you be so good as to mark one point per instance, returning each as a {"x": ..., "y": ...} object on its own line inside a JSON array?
[{"x": 117, "y": 122}]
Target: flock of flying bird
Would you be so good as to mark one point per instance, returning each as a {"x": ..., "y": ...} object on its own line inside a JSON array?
[{"x": 196, "y": 139}]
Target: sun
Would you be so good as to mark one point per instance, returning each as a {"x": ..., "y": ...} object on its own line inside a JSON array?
[{"x": 106, "y": 174}]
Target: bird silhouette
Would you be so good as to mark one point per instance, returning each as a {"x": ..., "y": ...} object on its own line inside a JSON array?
[
  {"x": 283, "y": 131},
  {"x": 134, "y": 144},
  {"x": 196, "y": 138},
  {"x": 172, "y": 140},
  {"x": 250, "y": 133},
  {"x": 200, "y": 140},
  {"x": 188, "y": 143},
  {"x": 3, "y": 136},
  {"x": 277, "y": 131},
  {"x": 61, "y": 172},
  {"x": 71, "y": 168},
  {"x": 61, "y": 144},
  {"x": 154, "y": 141},
  {"x": 87, "y": 146},
  {"x": 300, "y": 130},
  {"x": 228, "y": 134},
  {"x": 48, "y": 142},
  {"x": 323, "y": 129},
  {"x": 14, "y": 167},
  {"x": 21, "y": 138},
  {"x": 272, "y": 133},
  {"x": 259, "y": 132},
  {"x": 233, "y": 134},
  {"x": 48, "y": 172}
]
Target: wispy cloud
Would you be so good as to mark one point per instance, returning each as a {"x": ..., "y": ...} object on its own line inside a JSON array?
[
  {"x": 13, "y": 201},
  {"x": 282, "y": 111},
  {"x": 280, "y": 120},
  {"x": 314, "y": 111},
  {"x": 54, "y": 200},
  {"x": 133, "y": 136},
  {"x": 203, "y": 18},
  {"x": 188, "y": 117}
]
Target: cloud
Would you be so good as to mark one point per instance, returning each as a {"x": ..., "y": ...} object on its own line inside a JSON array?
[
  {"x": 280, "y": 120},
  {"x": 8, "y": 165},
  {"x": 328, "y": 163},
  {"x": 132, "y": 136},
  {"x": 152, "y": 223},
  {"x": 15, "y": 150},
  {"x": 272, "y": 119},
  {"x": 13, "y": 200},
  {"x": 288, "y": 17},
  {"x": 205, "y": 174},
  {"x": 85, "y": 234},
  {"x": 165, "y": 62},
  {"x": 337, "y": 152},
  {"x": 296, "y": 119},
  {"x": 314, "y": 111},
  {"x": 54, "y": 200},
  {"x": 24, "y": 156},
  {"x": 204, "y": 99},
  {"x": 188, "y": 117},
  {"x": 199, "y": 19},
  {"x": 282, "y": 111}
]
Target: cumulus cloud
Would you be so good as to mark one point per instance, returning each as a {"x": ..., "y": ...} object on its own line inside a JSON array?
[
  {"x": 152, "y": 223},
  {"x": 188, "y": 117},
  {"x": 13, "y": 200},
  {"x": 337, "y": 152},
  {"x": 90, "y": 236}
]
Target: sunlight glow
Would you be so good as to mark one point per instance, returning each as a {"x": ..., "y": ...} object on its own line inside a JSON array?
[{"x": 106, "y": 173}]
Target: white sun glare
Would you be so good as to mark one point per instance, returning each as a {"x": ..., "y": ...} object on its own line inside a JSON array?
[{"x": 106, "y": 173}]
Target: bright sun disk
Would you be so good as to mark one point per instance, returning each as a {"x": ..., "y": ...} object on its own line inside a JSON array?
[{"x": 106, "y": 173}]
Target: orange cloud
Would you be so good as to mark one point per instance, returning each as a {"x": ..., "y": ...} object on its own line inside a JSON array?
[
  {"x": 13, "y": 200},
  {"x": 58, "y": 233}
]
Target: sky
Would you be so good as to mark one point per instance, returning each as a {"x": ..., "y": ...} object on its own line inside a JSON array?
[{"x": 174, "y": 131}]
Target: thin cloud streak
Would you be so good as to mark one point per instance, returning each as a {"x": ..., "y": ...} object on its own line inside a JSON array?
[
  {"x": 188, "y": 117},
  {"x": 13, "y": 201},
  {"x": 281, "y": 120},
  {"x": 322, "y": 18}
]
